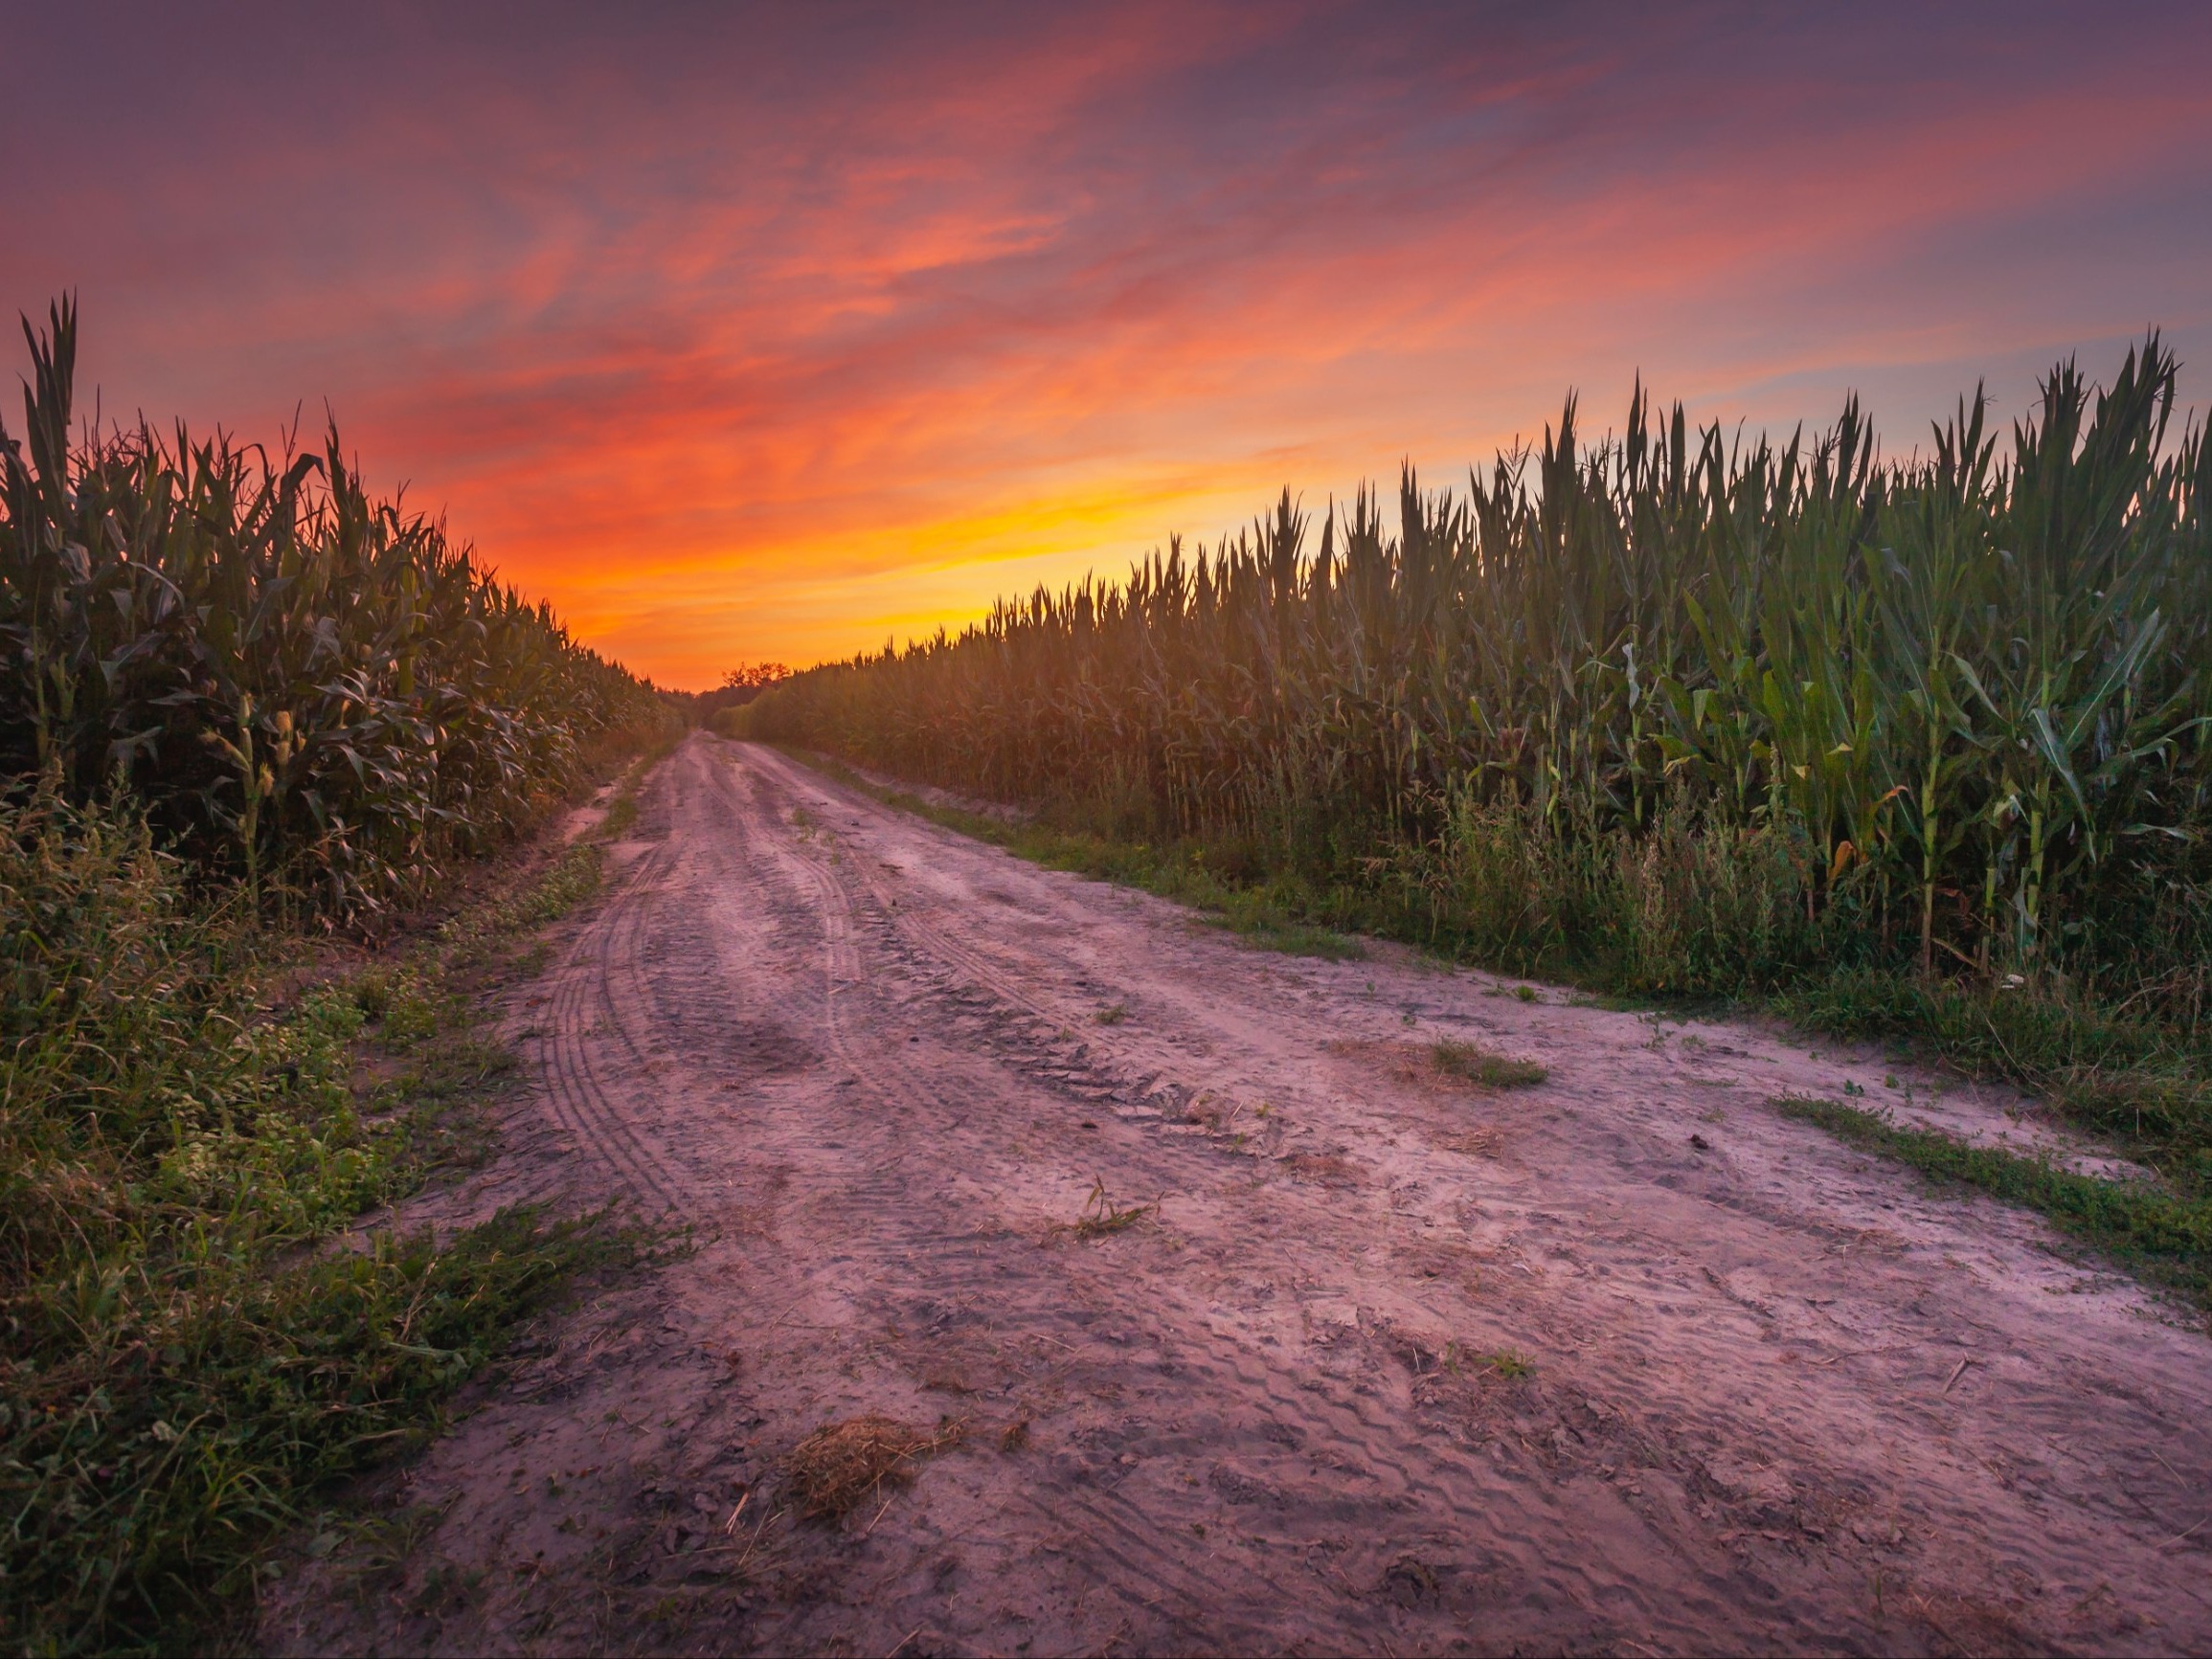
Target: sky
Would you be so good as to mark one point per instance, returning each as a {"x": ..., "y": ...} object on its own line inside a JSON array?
[{"x": 775, "y": 332}]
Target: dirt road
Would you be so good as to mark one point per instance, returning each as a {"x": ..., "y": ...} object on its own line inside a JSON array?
[{"x": 1625, "y": 1361}]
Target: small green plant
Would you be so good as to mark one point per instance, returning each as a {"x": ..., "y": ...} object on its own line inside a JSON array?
[
  {"x": 1500, "y": 1362},
  {"x": 1102, "y": 1218},
  {"x": 1471, "y": 1062},
  {"x": 1114, "y": 1014},
  {"x": 1526, "y": 993}
]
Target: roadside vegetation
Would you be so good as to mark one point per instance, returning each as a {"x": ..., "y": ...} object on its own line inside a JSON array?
[
  {"x": 242, "y": 704},
  {"x": 2160, "y": 1229},
  {"x": 1914, "y": 750}
]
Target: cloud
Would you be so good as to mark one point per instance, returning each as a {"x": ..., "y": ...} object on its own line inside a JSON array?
[{"x": 759, "y": 332}]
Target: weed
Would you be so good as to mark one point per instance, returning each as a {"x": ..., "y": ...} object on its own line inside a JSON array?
[
  {"x": 1501, "y": 1362},
  {"x": 1114, "y": 1014},
  {"x": 1101, "y": 1217}
]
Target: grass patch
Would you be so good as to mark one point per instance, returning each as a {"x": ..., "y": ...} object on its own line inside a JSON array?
[
  {"x": 2139, "y": 1083},
  {"x": 2163, "y": 1235},
  {"x": 1266, "y": 918},
  {"x": 1503, "y": 1362},
  {"x": 423, "y": 1058},
  {"x": 1472, "y": 1062},
  {"x": 622, "y": 809},
  {"x": 621, "y": 815},
  {"x": 193, "y": 1350}
]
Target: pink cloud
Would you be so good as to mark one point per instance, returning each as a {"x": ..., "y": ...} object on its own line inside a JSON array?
[{"x": 747, "y": 342}]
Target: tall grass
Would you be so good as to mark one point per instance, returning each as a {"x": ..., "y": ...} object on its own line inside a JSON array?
[
  {"x": 1671, "y": 710},
  {"x": 310, "y": 691},
  {"x": 187, "y": 1357}
]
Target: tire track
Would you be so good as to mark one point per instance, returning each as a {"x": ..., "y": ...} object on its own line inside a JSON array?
[
  {"x": 583, "y": 1007},
  {"x": 1092, "y": 1068}
]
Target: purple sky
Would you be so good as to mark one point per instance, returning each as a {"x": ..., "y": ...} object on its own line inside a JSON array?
[{"x": 768, "y": 332}]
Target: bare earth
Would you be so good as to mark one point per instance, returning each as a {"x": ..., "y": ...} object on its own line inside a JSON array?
[{"x": 1776, "y": 1396}]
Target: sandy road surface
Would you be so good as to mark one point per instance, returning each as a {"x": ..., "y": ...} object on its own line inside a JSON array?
[{"x": 1776, "y": 1396}]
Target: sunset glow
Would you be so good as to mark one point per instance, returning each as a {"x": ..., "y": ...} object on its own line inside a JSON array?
[{"x": 777, "y": 332}]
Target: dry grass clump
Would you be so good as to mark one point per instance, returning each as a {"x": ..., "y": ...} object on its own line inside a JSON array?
[
  {"x": 1472, "y": 1062},
  {"x": 1483, "y": 1142},
  {"x": 1328, "y": 1168},
  {"x": 840, "y": 1464}
]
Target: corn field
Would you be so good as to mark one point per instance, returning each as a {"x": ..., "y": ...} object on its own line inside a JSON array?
[
  {"x": 1963, "y": 696},
  {"x": 308, "y": 690}
]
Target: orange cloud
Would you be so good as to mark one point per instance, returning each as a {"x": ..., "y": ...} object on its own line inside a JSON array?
[{"x": 772, "y": 337}]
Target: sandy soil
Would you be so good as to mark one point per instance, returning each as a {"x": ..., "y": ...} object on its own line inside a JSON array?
[{"x": 1626, "y": 1362}]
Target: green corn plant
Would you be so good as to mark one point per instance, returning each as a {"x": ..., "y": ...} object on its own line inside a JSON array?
[
  {"x": 1964, "y": 699},
  {"x": 309, "y": 691}
]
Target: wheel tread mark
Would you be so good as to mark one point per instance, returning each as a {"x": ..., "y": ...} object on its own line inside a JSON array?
[{"x": 576, "y": 1087}]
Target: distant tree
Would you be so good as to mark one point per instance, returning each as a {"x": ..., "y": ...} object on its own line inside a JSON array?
[{"x": 755, "y": 676}]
